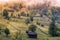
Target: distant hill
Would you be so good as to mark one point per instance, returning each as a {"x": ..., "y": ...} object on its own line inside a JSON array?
[{"x": 42, "y": 9}]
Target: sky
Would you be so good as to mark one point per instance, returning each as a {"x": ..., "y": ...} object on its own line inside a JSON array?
[{"x": 53, "y": 2}]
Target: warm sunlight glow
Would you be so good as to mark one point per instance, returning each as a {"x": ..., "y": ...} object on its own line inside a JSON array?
[
  {"x": 4, "y": 0},
  {"x": 29, "y": 2}
]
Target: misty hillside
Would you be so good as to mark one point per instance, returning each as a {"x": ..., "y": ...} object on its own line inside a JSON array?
[
  {"x": 24, "y": 22},
  {"x": 39, "y": 10}
]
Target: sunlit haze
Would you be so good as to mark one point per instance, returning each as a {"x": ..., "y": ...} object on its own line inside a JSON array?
[{"x": 29, "y": 2}]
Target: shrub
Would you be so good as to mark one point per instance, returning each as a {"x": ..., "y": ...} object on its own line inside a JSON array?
[
  {"x": 38, "y": 23},
  {"x": 27, "y": 21},
  {"x": 31, "y": 18},
  {"x": 2, "y": 27},
  {"x": 32, "y": 28},
  {"x": 5, "y": 14},
  {"x": 27, "y": 15},
  {"x": 23, "y": 14},
  {"x": 18, "y": 15},
  {"x": 7, "y": 32},
  {"x": 11, "y": 14},
  {"x": 0, "y": 30},
  {"x": 42, "y": 25}
]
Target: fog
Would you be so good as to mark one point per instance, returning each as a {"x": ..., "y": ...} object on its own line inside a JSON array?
[{"x": 30, "y": 2}]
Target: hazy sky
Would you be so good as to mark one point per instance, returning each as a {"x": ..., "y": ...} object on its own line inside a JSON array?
[{"x": 53, "y": 2}]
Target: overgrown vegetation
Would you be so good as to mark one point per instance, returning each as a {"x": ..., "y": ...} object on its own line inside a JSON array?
[
  {"x": 53, "y": 29},
  {"x": 5, "y": 14},
  {"x": 16, "y": 26},
  {"x": 7, "y": 32},
  {"x": 32, "y": 28}
]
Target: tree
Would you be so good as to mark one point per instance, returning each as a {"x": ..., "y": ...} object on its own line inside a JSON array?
[
  {"x": 2, "y": 27},
  {"x": 32, "y": 28},
  {"x": 7, "y": 32},
  {"x": 53, "y": 28},
  {"x": 11, "y": 14},
  {"x": 31, "y": 18},
  {"x": 0, "y": 30},
  {"x": 27, "y": 21},
  {"x": 38, "y": 23},
  {"x": 42, "y": 25},
  {"x": 5, "y": 14},
  {"x": 27, "y": 15},
  {"x": 23, "y": 14},
  {"x": 18, "y": 15}
]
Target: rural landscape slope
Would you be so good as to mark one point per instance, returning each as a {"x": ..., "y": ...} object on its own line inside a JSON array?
[{"x": 16, "y": 18}]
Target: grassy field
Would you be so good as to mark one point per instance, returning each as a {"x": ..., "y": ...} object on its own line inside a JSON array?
[{"x": 18, "y": 31}]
